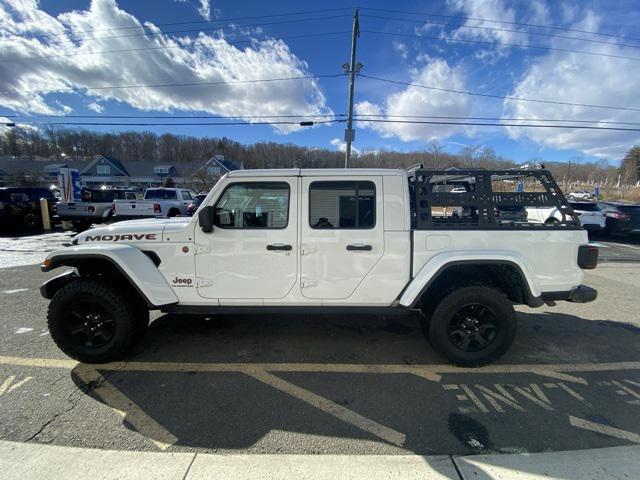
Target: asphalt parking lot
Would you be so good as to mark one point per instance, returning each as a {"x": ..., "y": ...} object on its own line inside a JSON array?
[{"x": 360, "y": 385}]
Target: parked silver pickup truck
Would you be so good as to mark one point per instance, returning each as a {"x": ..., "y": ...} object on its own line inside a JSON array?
[
  {"x": 96, "y": 207},
  {"x": 158, "y": 202}
]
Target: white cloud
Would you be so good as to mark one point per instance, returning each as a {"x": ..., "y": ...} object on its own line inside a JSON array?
[
  {"x": 205, "y": 9},
  {"x": 492, "y": 10},
  {"x": 577, "y": 78},
  {"x": 206, "y": 58},
  {"x": 95, "y": 107},
  {"x": 341, "y": 146},
  {"x": 413, "y": 100},
  {"x": 401, "y": 49}
]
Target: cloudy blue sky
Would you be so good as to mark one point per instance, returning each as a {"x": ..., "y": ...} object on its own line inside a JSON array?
[{"x": 64, "y": 57}]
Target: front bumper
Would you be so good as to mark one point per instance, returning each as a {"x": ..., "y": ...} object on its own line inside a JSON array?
[{"x": 579, "y": 294}]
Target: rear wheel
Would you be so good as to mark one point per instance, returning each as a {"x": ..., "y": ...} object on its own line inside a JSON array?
[
  {"x": 473, "y": 326},
  {"x": 173, "y": 213},
  {"x": 91, "y": 322}
]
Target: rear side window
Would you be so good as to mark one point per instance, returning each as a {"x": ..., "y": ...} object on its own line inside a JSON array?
[
  {"x": 585, "y": 207},
  {"x": 342, "y": 204},
  {"x": 160, "y": 194},
  {"x": 253, "y": 205}
]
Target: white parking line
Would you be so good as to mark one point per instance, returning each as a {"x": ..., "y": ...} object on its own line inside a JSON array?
[{"x": 16, "y": 290}]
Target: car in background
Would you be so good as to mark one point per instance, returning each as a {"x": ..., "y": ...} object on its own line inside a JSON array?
[
  {"x": 20, "y": 206},
  {"x": 621, "y": 218},
  {"x": 591, "y": 217},
  {"x": 96, "y": 207},
  {"x": 581, "y": 195},
  {"x": 197, "y": 201},
  {"x": 157, "y": 203}
]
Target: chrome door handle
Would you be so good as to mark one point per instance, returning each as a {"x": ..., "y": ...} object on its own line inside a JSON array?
[{"x": 359, "y": 247}]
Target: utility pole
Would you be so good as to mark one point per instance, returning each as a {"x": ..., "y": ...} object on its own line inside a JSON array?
[{"x": 352, "y": 68}]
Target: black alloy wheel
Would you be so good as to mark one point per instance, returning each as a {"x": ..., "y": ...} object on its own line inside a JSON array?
[
  {"x": 90, "y": 324},
  {"x": 473, "y": 328}
]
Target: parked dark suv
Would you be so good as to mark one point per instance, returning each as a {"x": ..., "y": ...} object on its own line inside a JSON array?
[
  {"x": 621, "y": 217},
  {"x": 20, "y": 206}
]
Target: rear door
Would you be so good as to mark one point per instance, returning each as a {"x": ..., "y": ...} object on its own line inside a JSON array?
[{"x": 342, "y": 234}]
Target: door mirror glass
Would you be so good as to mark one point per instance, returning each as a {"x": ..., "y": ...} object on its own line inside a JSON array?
[{"x": 206, "y": 218}]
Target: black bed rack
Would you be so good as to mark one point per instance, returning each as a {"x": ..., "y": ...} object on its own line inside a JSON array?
[{"x": 478, "y": 204}]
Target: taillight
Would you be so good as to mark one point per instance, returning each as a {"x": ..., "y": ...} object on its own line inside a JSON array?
[
  {"x": 618, "y": 215},
  {"x": 113, "y": 207},
  {"x": 587, "y": 257},
  {"x": 496, "y": 212},
  {"x": 526, "y": 214},
  {"x": 156, "y": 208},
  {"x": 91, "y": 208}
]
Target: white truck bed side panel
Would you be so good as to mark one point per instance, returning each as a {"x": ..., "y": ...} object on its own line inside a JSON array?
[{"x": 548, "y": 258}]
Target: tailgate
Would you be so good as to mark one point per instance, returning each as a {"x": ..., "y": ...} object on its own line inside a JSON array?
[
  {"x": 134, "y": 208},
  {"x": 72, "y": 209}
]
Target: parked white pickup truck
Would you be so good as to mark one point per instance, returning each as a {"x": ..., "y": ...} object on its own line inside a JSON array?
[
  {"x": 157, "y": 203},
  {"x": 372, "y": 240},
  {"x": 96, "y": 207}
]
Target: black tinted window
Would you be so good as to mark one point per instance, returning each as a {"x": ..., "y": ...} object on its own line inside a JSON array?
[
  {"x": 342, "y": 204},
  {"x": 585, "y": 207},
  {"x": 160, "y": 194}
]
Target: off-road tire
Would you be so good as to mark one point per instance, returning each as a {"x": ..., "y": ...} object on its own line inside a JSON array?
[
  {"x": 111, "y": 301},
  {"x": 444, "y": 315}
]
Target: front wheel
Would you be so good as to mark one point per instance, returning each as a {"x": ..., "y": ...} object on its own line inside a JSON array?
[
  {"x": 91, "y": 321},
  {"x": 473, "y": 326}
]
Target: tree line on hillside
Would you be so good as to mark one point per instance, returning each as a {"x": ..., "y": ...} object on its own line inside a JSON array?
[{"x": 63, "y": 144}]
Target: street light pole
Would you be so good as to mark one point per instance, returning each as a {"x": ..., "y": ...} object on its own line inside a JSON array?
[{"x": 352, "y": 68}]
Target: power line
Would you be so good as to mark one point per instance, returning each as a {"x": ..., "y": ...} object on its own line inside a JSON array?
[
  {"x": 145, "y": 33},
  {"x": 334, "y": 115},
  {"x": 184, "y": 117},
  {"x": 501, "y": 119},
  {"x": 482, "y": 42},
  {"x": 311, "y": 123},
  {"x": 209, "y": 22},
  {"x": 503, "y": 97},
  {"x": 496, "y": 124},
  {"x": 169, "y": 47},
  {"x": 506, "y": 22},
  {"x": 495, "y": 29},
  {"x": 161, "y": 85},
  {"x": 176, "y": 124}
]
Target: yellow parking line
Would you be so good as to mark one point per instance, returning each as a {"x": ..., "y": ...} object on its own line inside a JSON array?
[
  {"x": 604, "y": 429},
  {"x": 430, "y": 372},
  {"x": 126, "y": 408},
  {"x": 327, "y": 406}
]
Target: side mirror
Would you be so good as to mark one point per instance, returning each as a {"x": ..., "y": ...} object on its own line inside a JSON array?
[{"x": 206, "y": 217}]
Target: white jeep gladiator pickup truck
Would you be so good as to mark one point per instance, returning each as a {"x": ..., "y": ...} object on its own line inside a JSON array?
[
  {"x": 352, "y": 240},
  {"x": 158, "y": 202}
]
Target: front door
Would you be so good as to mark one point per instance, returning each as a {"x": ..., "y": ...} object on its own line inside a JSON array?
[
  {"x": 342, "y": 234},
  {"x": 252, "y": 251}
]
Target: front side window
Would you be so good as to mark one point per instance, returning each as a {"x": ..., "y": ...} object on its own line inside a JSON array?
[
  {"x": 342, "y": 204},
  {"x": 254, "y": 205},
  {"x": 186, "y": 195}
]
